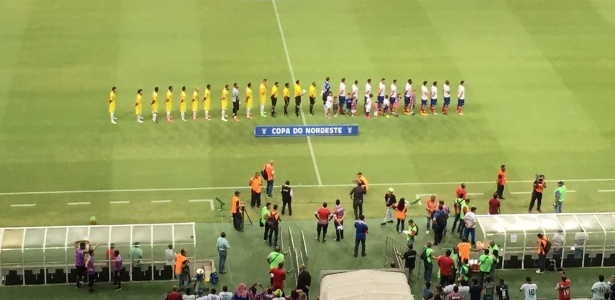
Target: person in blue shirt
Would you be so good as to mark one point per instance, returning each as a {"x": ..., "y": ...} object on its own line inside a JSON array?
[
  {"x": 440, "y": 218},
  {"x": 361, "y": 235},
  {"x": 326, "y": 88},
  {"x": 427, "y": 293}
]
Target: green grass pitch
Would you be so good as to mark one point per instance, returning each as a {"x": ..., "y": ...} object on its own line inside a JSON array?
[{"x": 539, "y": 82}]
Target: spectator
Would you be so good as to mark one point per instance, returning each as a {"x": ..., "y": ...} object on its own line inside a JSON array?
[
  {"x": 174, "y": 294},
  {"x": 242, "y": 292},
  {"x": 495, "y": 261},
  {"x": 502, "y": 290},
  {"x": 225, "y": 294},
  {"x": 213, "y": 295},
  {"x": 599, "y": 288},
  {"x": 223, "y": 245},
  {"x": 169, "y": 256},
  {"x": 563, "y": 288},
  {"x": 450, "y": 287},
  {"x": 136, "y": 254},
  {"x": 580, "y": 241},
  {"x": 558, "y": 243},
  {"x": 529, "y": 289},
  {"x": 612, "y": 288},
  {"x": 455, "y": 257},
  {"x": 188, "y": 295},
  {"x": 339, "y": 213},
  {"x": 455, "y": 294},
  {"x": 446, "y": 264},
  {"x": 470, "y": 225},
  {"x": 275, "y": 258},
  {"x": 440, "y": 292},
  {"x": 427, "y": 293},
  {"x": 494, "y": 205},
  {"x": 184, "y": 278},
  {"x": 296, "y": 295},
  {"x": 488, "y": 288},
  {"x": 200, "y": 295},
  {"x": 278, "y": 275},
  {"x": 304, "y": 280},
  {"x": 410, "y": 261},
  {"x": 199, "y": 279},
  {"x": 464, "y": 289},
  {"x": 323, "y": 215},
  {"x": 110, "y": 254},
  {"x": 279, "y": 295},
  {"x": 476, "y": 290},
  {"x": 428, "y": 262}
]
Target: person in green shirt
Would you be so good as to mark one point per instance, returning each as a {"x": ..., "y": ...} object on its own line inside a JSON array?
[
  {"x": 464, "y": 208},
  {"x": 275, "y": 257},
  {"x": 428, "y": 261},
  {"x": 455, "y": 257},
  {"x": 464, "y": 271},
  {"x": 485, "y": 260},
  {"x": 412, "y": 231},
  {"x": 559, "y": 196},
  {"x": 136, "y": 254},
  {"x": 263, "y": 221}
]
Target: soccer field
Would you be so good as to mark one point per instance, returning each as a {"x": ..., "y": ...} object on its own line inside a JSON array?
[{"x": 539, "y": 82}]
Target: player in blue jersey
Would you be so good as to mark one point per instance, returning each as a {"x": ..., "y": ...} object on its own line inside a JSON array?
[{"x": 326, "y": 88}]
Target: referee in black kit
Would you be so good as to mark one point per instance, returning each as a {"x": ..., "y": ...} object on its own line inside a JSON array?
[
  {"x": 298, "y": 94},
  {"x": 287, "y": 198}
]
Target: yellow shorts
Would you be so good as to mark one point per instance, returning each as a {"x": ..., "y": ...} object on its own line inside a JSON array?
[
  {"x": 138, "y": 110},
  {"x": 207, "y": 105},
  {"x": 111, "y": 108},
  {"x": 249, "y": 104},
  {"x": 155, "y": 108},
  {"x": 182, "y": 107},
  {"x": 169, "y": 107},
  {"x": 195, "y": 106},
  {"x": 263, "y": 101},
  {"x": 225, "y": 105}
]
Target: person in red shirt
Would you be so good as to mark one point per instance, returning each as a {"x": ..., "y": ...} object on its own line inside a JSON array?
[
  {"x": 323, "y": 215},
  {"x": 564, "y": 288},
  {"x": 110, "y": 254},
  {"x": 278, "y": 275},
  {"x": 174, "y": 294},
  {"x": 446, "y": 264},
  {"x": 461, "y": 192},
  {"x": 494, "y": 205}
]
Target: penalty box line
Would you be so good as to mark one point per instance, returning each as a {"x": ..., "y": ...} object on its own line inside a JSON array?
[{"x": 213, "y": 188}]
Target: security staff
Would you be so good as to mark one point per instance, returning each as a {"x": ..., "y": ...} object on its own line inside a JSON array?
[
  {"x": 236, "y": 207},
  {"x": 501, "y": 182},
  {"x": 559, "y": 196},
  {"x": 356, "y": 194},
  {"x": 287, "y": 198},
  {"x": 264, "y": 214},
  {"x": 256, "y": 185},
  {"x": 273, "y": 218},
  {"x": 539, "y": 186}
]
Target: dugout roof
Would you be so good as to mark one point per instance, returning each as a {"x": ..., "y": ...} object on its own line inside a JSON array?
[{"x": 365, "y": 285}]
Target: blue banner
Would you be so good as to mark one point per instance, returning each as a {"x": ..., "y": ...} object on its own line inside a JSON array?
[{"x": 306, "y": 130}]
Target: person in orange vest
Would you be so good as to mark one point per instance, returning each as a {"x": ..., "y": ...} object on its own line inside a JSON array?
[
  {"x": 255, "y": 186},
  {"x": 180, "y": 260},
  {"x": 363, "y": 181},
  {"x": 539, "y": 185},
  {"x": 501, "y": 182},
  {"x": 269, "y": 175},
  {"x": 236, "y": 209},
  {"x": 543, "y": 249}
]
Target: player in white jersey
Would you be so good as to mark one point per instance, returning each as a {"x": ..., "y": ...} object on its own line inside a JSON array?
[
  {"x": 424, "y": 97},
  {"x": 381, "y": 92},
  {"x": 368, "y": 98},
  {"x": 354, "y": 95},
  {"x": 407, "y": 95},
  {"x": 599, "y": 288},
  {"x": 342, "y": 95},
  {"x": 434, "y": 98},
  {"x": 329, "y": 105},
  {"x": 446, "y": 92},
  {"x": 393, "y": 99},
  {"x": 461, "y": 97},
  {"x": 529, "y": 289}
]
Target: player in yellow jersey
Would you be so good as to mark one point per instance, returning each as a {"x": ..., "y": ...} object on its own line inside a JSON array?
[
  {"x": 169, "y": 104},
  {"x": 298, "y": 93},
  {"x": 139, "y": 105},
  {"x": 182, "y": 103},
  {"x": 154, "y": 104},
  {"x": 112, "y": 105},
  {"x": 274, "y": 98},
  {"x": 207, "y": 102},
  {"x": 262, "y": 93},
  {"x": 286, "y": 94},
  {"x": 312, "y": 95},
  {"x": 195, "y": 103},
  {"x": 224, "y": 102},
  {"x": 249, "y": 100}
]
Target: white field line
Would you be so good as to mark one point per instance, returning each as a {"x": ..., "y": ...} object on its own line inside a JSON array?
[
  {"x": 23, "y": 205},
  {"x": 119, "y": 202},
  {"x": 161, "y": 201},
  {"x": 211, "y": 202},
  {"x": 606, "y": 191},
  {"x": 210, "y": 188},
  {"x": 292, "y": 75},
  {"x": 527, "y": 193},
  {"x": 78, "y": 203}
]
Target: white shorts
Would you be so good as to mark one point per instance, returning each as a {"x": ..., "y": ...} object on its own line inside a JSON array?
[
  {"x": 386, "y": 102},
  {"x": 328, "y": 105}
]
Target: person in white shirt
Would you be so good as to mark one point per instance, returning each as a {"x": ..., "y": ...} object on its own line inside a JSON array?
[
  {"x": 368, "y": 97},
  {"x": 381, "y": 91},
  {"x": 225, "y": 294},
  {"x": 446, "y": 92},
  {"x": 200, "y": 295},
  {"x": 329, "y": 105},
  {"x": 529, "y": 289},
  {"x": 213, "y": 295},
  {"x": 434, "y": 98},
  {"x": 461, "y": 97},
  {"x": 342, "y": 95},
  {"x": 393, "y": 97},
  {"x": 580, "y": 240},
  {"x": 169, "y": 256},
  {"x": 407, "y": 94},
  {"x": 424, "y": 97},
  {"x": 599, "y": 288},
  {"x": 558, "y": 243},
  {"x": 354, "y": 95},
  {"x": 188, "y": 295},
  {"x": 470, "y": 225}
]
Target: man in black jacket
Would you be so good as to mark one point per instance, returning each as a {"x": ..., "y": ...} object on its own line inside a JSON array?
[
  {"x": 356, "y": 194},
  {"x": 304, "y": 280},
  {"x": 287, "y": 198}
]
